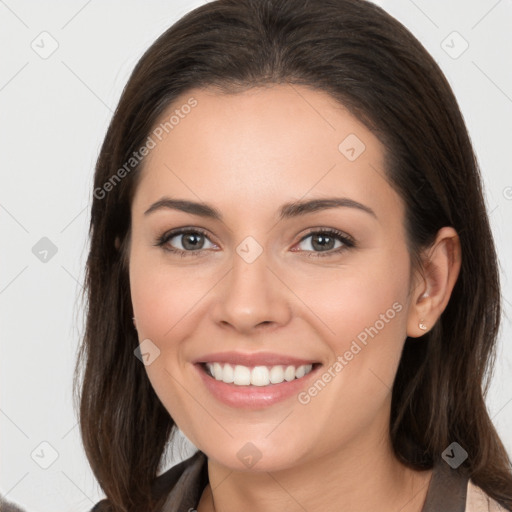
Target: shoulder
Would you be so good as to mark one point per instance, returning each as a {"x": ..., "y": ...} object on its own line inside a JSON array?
[
  {"x": 165, "y": 482},
  {"x": 478, "y": 501},
  {"x": 7, "y": 506}
]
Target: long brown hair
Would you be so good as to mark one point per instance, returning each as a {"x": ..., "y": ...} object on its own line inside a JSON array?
[{"x": 369, "y": 62}]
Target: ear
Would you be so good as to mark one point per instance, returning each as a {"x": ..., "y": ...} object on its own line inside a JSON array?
[
  {"x": 117, "y": 243},
  {"x": 435, "y": 281}
]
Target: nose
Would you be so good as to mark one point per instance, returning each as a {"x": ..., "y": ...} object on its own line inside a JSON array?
[{"x": 252, "y": 297}]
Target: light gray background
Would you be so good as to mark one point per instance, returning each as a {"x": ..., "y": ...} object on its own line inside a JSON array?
[{"x": 54, "y": 114}]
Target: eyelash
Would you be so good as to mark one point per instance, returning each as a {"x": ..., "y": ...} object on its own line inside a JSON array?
[{"x": 347, "y": 241}]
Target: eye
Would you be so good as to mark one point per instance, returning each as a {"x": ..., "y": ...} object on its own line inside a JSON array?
[
  {"x": 329, "y": 241},
  {"x": 185, "y": 242},
  {"x": 191, "y": 242}
]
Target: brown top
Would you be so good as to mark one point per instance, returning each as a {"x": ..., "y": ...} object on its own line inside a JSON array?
[
  {"x": 449, "y": 490},
  {"x": 184, "y": 483}
]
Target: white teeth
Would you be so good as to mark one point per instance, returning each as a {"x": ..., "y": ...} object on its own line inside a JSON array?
[
  {"x": 228, "y": 374},
  {"x": 276, "y": 375},
  {"x": 242, "y": 375},
  {"x": 217, "y": 371},
  {"x": 289, "y": 373},
  {"x": 258, "y": 375}
]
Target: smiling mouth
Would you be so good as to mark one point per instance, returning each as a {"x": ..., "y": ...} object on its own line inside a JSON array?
[{"x": 240, "y": 375}]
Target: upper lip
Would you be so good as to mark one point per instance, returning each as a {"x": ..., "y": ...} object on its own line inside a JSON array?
[{"x": 254, "y": 359}]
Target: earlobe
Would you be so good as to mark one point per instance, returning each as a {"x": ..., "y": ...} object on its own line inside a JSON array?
[{"x": 440, "y": 269}]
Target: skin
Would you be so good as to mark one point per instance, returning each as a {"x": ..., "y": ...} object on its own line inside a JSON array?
[{"x": 246, "y": 154}]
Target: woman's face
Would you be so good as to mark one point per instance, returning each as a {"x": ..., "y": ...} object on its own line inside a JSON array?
[{"x": 259, "y": 288}]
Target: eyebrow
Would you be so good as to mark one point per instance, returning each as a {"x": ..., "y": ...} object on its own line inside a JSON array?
[{"x": 287, "y": 211}]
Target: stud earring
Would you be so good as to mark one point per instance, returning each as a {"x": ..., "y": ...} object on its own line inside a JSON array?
[{"x": 422, "y": 326}]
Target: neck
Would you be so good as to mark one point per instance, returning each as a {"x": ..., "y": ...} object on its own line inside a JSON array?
[{"x": 363, "y": 476}]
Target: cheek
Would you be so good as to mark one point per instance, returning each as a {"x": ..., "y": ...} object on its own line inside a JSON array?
[
  {"x": 162, "y": 295},
  {"x": 364, "y": 311},
  {"x": 167, "y": 302},
  {"x": 363, "y": 301}
]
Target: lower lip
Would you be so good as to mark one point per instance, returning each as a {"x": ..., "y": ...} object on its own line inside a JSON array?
[{"x": 254, "y": 397}]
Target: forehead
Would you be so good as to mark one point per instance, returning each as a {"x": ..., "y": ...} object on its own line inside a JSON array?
[{"x": 260, "y": 147}]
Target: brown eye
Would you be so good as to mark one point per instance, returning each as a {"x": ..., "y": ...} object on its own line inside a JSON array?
[
  {"x": 327, "y": 241},
  {"x": 185, "y": 241}
]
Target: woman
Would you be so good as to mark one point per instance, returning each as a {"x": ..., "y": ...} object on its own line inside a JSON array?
[{"x": 291, "y": 261}]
